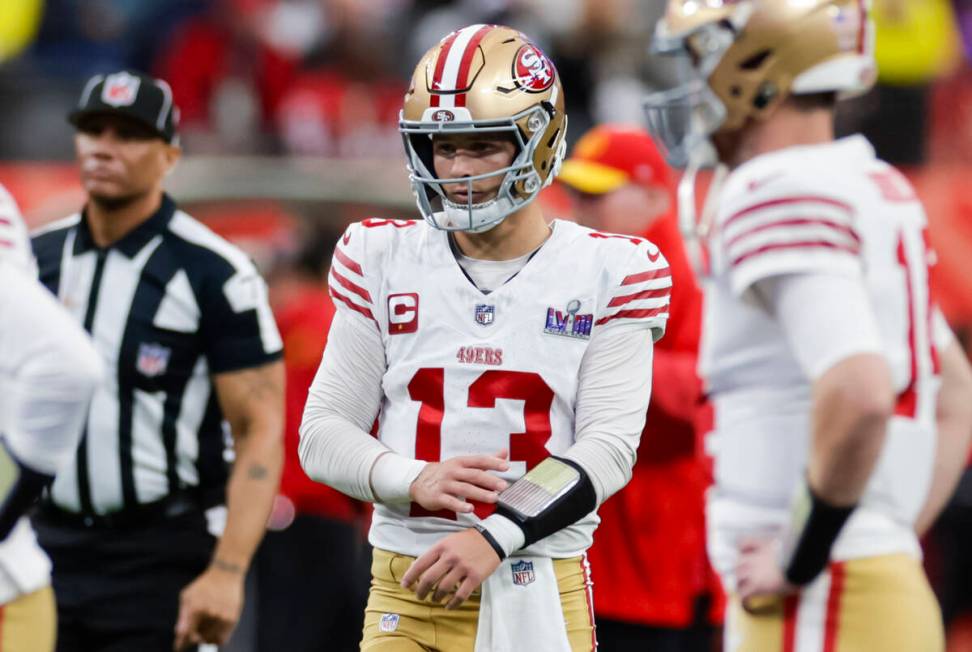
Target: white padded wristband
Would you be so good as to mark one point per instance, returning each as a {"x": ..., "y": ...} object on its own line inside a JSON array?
[
  {"x": 507, "y": 533},
  {"x": 392, "y": 476}
]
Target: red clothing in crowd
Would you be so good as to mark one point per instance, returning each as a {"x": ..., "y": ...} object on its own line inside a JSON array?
[
  {"x": 648, "y": 559},
  {"x": 304, "y": 319},
  {"x": 204, "y": 54}
]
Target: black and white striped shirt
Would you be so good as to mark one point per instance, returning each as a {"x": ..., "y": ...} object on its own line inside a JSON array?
[{"x": 167, "y": 306}]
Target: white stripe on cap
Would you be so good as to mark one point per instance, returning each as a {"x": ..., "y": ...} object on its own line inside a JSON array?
[
  {"x": 166, "y": 103},
  {"x": 86, "y": 93},
  {"x": 450, "y": 73}
]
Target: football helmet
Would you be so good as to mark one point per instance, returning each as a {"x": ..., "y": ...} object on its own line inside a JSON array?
[
  {"x": 748, "y": 56},
  {"x": 484, "y": 79}
]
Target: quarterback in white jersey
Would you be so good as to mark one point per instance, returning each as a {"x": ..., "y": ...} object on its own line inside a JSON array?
[
  {"x": 507, "y": 360},
  {"x": 48, "y": 372},
  {"x": 836, "y": 384}
]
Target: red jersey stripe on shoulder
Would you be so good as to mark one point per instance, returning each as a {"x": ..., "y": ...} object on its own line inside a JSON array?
[
  {"x": 352, "y": 305},
  {"x": 350, "y": 286},
  {"x": 645, "y": 294},
  {"x": 650, "y": 275},
  {"x": 467, "y": 59},
  {"x": 6, "y": 243},
  {"x": 784, "y": 201},
  {"x": 347, "y": 262},
  {"x": 798, "y": 221},
  {"x": 807, "y": 244},
  {"x": 440, "y": 66},
  {"x": 633, "y": 314},
  {"x": 5, "y": 221}
]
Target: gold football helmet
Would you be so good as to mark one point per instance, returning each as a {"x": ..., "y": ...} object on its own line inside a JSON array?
[
  {"x": 492, "y": 79},
  {"x": 748, "y": 56}
]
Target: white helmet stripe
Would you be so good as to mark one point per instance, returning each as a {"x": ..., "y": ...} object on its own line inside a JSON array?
[{"x": 450, "y": 73}]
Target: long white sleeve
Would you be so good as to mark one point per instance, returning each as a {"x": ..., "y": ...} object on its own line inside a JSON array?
[
  {"x": 48, "y": 370},
  {"x": 343, "y": 401},
  {"x": 826, "y": 318},
  {"x": 612, "y": 404}
]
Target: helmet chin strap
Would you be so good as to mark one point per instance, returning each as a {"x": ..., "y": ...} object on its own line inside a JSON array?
[{"x": 488, "y": 213}]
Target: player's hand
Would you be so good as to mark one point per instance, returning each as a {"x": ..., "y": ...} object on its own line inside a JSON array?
[
  {"x": 449, "y": 484},
  {"x": 209, "y": 608},
  {"x": 759, "y": 577},
  {"x": 455, "y": 566}
]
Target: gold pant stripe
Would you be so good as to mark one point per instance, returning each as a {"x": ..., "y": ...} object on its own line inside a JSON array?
[
  {"x": 397, "y": 621},
  {"x": 29, "y": 623},
  {"x": 862, "y": 605}
]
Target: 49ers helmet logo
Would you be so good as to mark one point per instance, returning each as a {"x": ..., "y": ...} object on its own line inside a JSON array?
[{"x": 532, "y": 70}]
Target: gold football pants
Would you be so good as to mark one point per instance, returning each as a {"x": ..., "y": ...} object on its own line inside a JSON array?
[
  {"x": 29, "y": 623},
  {"x": 413, "y": 625},
  {"x": 872, "y": 604}
]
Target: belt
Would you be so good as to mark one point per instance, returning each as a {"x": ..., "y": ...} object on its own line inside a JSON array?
[{"x": 130, "y": 518}]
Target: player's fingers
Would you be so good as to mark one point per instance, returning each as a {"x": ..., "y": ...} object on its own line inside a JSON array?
[
  {"x": 448, "y": 584},
  {"x": 481, "y": 479},
  {"x": 472, "y": 492},
  {"x": 462, "y": 593},
  {"x": 418, "y": 567},
  {"x": 503, "y": 454},
  {"x": 453, "y": 504},
  {"x": 431, "y": 577},
  {"x": 484, "y": 462}
]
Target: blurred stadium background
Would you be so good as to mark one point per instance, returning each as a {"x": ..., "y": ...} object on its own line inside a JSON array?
[{"x": 289, "y": 119}]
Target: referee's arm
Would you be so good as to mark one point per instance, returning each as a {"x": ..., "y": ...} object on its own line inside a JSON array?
[
  {"x": 252, "y": 402},
  {"x": 243, "y": 349}
]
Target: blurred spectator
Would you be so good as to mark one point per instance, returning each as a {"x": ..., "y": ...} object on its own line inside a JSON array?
[
  {"x": 311, "y": 571},
  {"x": 653, "y": 587},
  {"x": 227, "y": 79},
  {"x": 344, "y": 101}
]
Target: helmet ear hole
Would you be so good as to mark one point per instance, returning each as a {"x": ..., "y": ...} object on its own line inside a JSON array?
[{"x": 765, "y": 96}]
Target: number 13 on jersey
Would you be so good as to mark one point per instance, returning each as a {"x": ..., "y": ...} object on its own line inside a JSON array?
[{"x": 428, "y": 388}]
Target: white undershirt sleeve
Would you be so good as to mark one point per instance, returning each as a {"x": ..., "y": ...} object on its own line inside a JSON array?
[
  {"x": 342, "y": 403},
  {"x": 826, "y": 318},
  {"x": 48, "y": 371},
  {"x": 612, "y": 403}
]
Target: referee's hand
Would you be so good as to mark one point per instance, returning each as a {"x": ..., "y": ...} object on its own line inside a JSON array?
[{"x": 210, "y": 607}]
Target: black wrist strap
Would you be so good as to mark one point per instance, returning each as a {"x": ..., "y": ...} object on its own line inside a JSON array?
[
  {"x": 815, "y": 538},
  {"x": 491, "y": 540},
  {"x": 20, "y": 487}
]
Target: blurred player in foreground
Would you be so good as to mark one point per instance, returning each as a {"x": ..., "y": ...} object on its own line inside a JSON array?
[
  {"x": 48, "y": 371},
  {"x": 485, "y": 340},
  {"x": 822, "y": 347},
  {"x": 653, "y": 587}
]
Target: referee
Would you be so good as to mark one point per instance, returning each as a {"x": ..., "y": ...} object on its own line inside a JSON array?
[{"x": 182, "y": 321}]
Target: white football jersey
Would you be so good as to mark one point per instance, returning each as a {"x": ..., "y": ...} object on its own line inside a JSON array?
[
  {"x": 471, "y": 373},
  {"x": 14, "y": 241},
  {"x": 823, "y": 209}
]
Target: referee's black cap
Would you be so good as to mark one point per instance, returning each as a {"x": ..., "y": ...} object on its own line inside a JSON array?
[{"x": 132, "y": 94}]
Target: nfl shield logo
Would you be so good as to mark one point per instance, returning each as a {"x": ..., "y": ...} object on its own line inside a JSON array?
[
  {"x": 153, "y": 359},
  {"x": 522, "y": 573},
  {"x": 388, "y": 623},
  {"x": 120, "y": 89},
  {"x": 485, "y": 314}
]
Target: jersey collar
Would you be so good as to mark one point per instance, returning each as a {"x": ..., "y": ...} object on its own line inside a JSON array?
[{"x": 133, "y": 241}]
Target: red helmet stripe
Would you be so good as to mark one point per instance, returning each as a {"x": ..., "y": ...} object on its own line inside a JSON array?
[
  {"x": 440, "y": 65},
  {"x": 862, "y": 36},
  {"x": 467, "y": 59}
]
